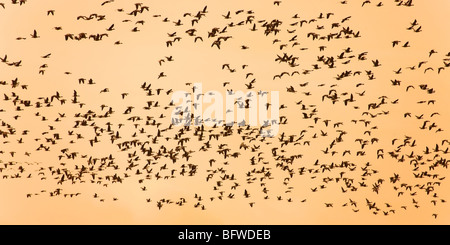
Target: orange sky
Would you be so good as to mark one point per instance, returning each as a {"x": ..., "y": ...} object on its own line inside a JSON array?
[{"x": 123, "y": 68}]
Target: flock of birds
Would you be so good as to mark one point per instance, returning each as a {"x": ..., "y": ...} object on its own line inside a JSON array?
[{"x": 313, "y": 151}]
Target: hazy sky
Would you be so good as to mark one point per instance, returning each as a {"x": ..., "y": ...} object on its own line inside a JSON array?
[{"x": 119, "y": 69}]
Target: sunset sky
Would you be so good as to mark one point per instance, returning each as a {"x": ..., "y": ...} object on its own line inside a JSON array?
[{"x": 123, "y": 60}]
